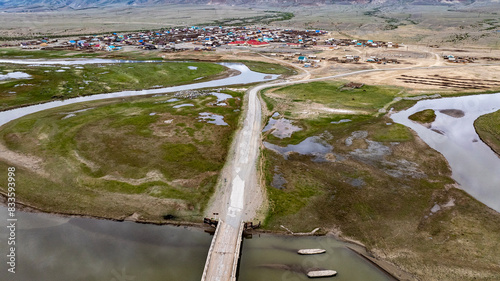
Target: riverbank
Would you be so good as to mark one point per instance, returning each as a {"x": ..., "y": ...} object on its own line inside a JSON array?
[{"x": 488, "y": 129}]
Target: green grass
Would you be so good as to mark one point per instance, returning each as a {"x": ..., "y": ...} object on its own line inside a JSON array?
[
  {"x": 16, "y": 53},
  {"x": 47, "y": 84},
  {"x": 392, "y": 133},
  {"x": 288, "y": 201},
  {"x": 424, "y": 116},
  {"x": 269, "y": 68},
  {"x": 488, "y": 129},
  {"x": 332, "y": 94},
  {"x": 270, "y": 103},
  {"x": 110, "y": 151}
]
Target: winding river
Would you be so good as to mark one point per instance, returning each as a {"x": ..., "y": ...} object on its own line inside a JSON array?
[
  {"x": 473, "y": 164},
  {"x": 246, "y": 76},
  {"x": 51, "y": 247}
]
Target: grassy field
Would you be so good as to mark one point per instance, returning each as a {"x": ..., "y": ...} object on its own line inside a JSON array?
[
  {"x": 292, "y": 100},
  {"x": 269, "y": 68},
  {"x": 16, "y": 53},
  {"x": 488, "y": 128},
  {"x": 13, "y": 53},
  {"x": 334, "y": 95},
  {"x": 49, "y": 82},
  {"x": 115, "y": 158},
  {"x": 153, "y": 17},
  {"x": 470, "y": 25},
  {"x": 378, "y": 186},
  {"x": 425, "y": 116}
]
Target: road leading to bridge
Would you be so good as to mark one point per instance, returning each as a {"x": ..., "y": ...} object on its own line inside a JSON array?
[{"x": 239, "y": 196}]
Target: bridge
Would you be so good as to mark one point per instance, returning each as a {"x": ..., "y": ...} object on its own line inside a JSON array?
[{"x": 224, "y": 253}]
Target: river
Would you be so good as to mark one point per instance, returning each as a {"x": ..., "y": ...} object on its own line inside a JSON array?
[
  {"x": 473, "y": 164},
  {"x": 51, "y": 247}
]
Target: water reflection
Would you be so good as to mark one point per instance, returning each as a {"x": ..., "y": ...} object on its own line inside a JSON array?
[
  {"x": 313, "y": 146},
  {"x": 474, "y": 165}
]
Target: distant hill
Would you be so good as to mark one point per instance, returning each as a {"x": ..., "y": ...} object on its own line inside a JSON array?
[{"x": 38, "y": 5}]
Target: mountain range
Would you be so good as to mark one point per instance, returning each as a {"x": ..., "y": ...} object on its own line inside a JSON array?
[{"x": 36, "y": 5}]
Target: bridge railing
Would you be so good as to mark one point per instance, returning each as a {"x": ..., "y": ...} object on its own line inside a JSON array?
[
  {"x": 207, "y": 262},
  {"x": 237, "y": 252}
]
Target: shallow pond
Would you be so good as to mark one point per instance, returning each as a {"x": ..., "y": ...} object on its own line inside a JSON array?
[
  {"x": 212, "y": 118},
  {"x": 313, "y": 146},
  {"x": 15, "y": 75},
  {"x": 281, "y": 127},
  {"x": 183, "y": 105},
  {"x": 221, "y": 96}
]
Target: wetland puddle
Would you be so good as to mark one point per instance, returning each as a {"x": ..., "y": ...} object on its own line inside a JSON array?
[
  {"x": 221, "y": 96},
  {"x": 313, "y": 146},
  {"x": 15, "y": 75},
  {"x": 341, "y": 121},
  {"x": 281, "y": 127},
  {"x": 183, "y": 105},
  {"x": 212, "y": 118},
  {"x": 473, "y": 164}
]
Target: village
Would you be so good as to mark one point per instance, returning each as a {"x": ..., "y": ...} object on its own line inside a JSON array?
[
  {"x": 287, "y": 44},
  {"x": 305, "y": 47}
]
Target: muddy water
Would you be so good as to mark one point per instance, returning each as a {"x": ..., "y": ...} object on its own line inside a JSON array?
[
  {"x": 51, "y": 247},
  {"x": 275, "y": 258},
  {"x": 474, "y": 165}
]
